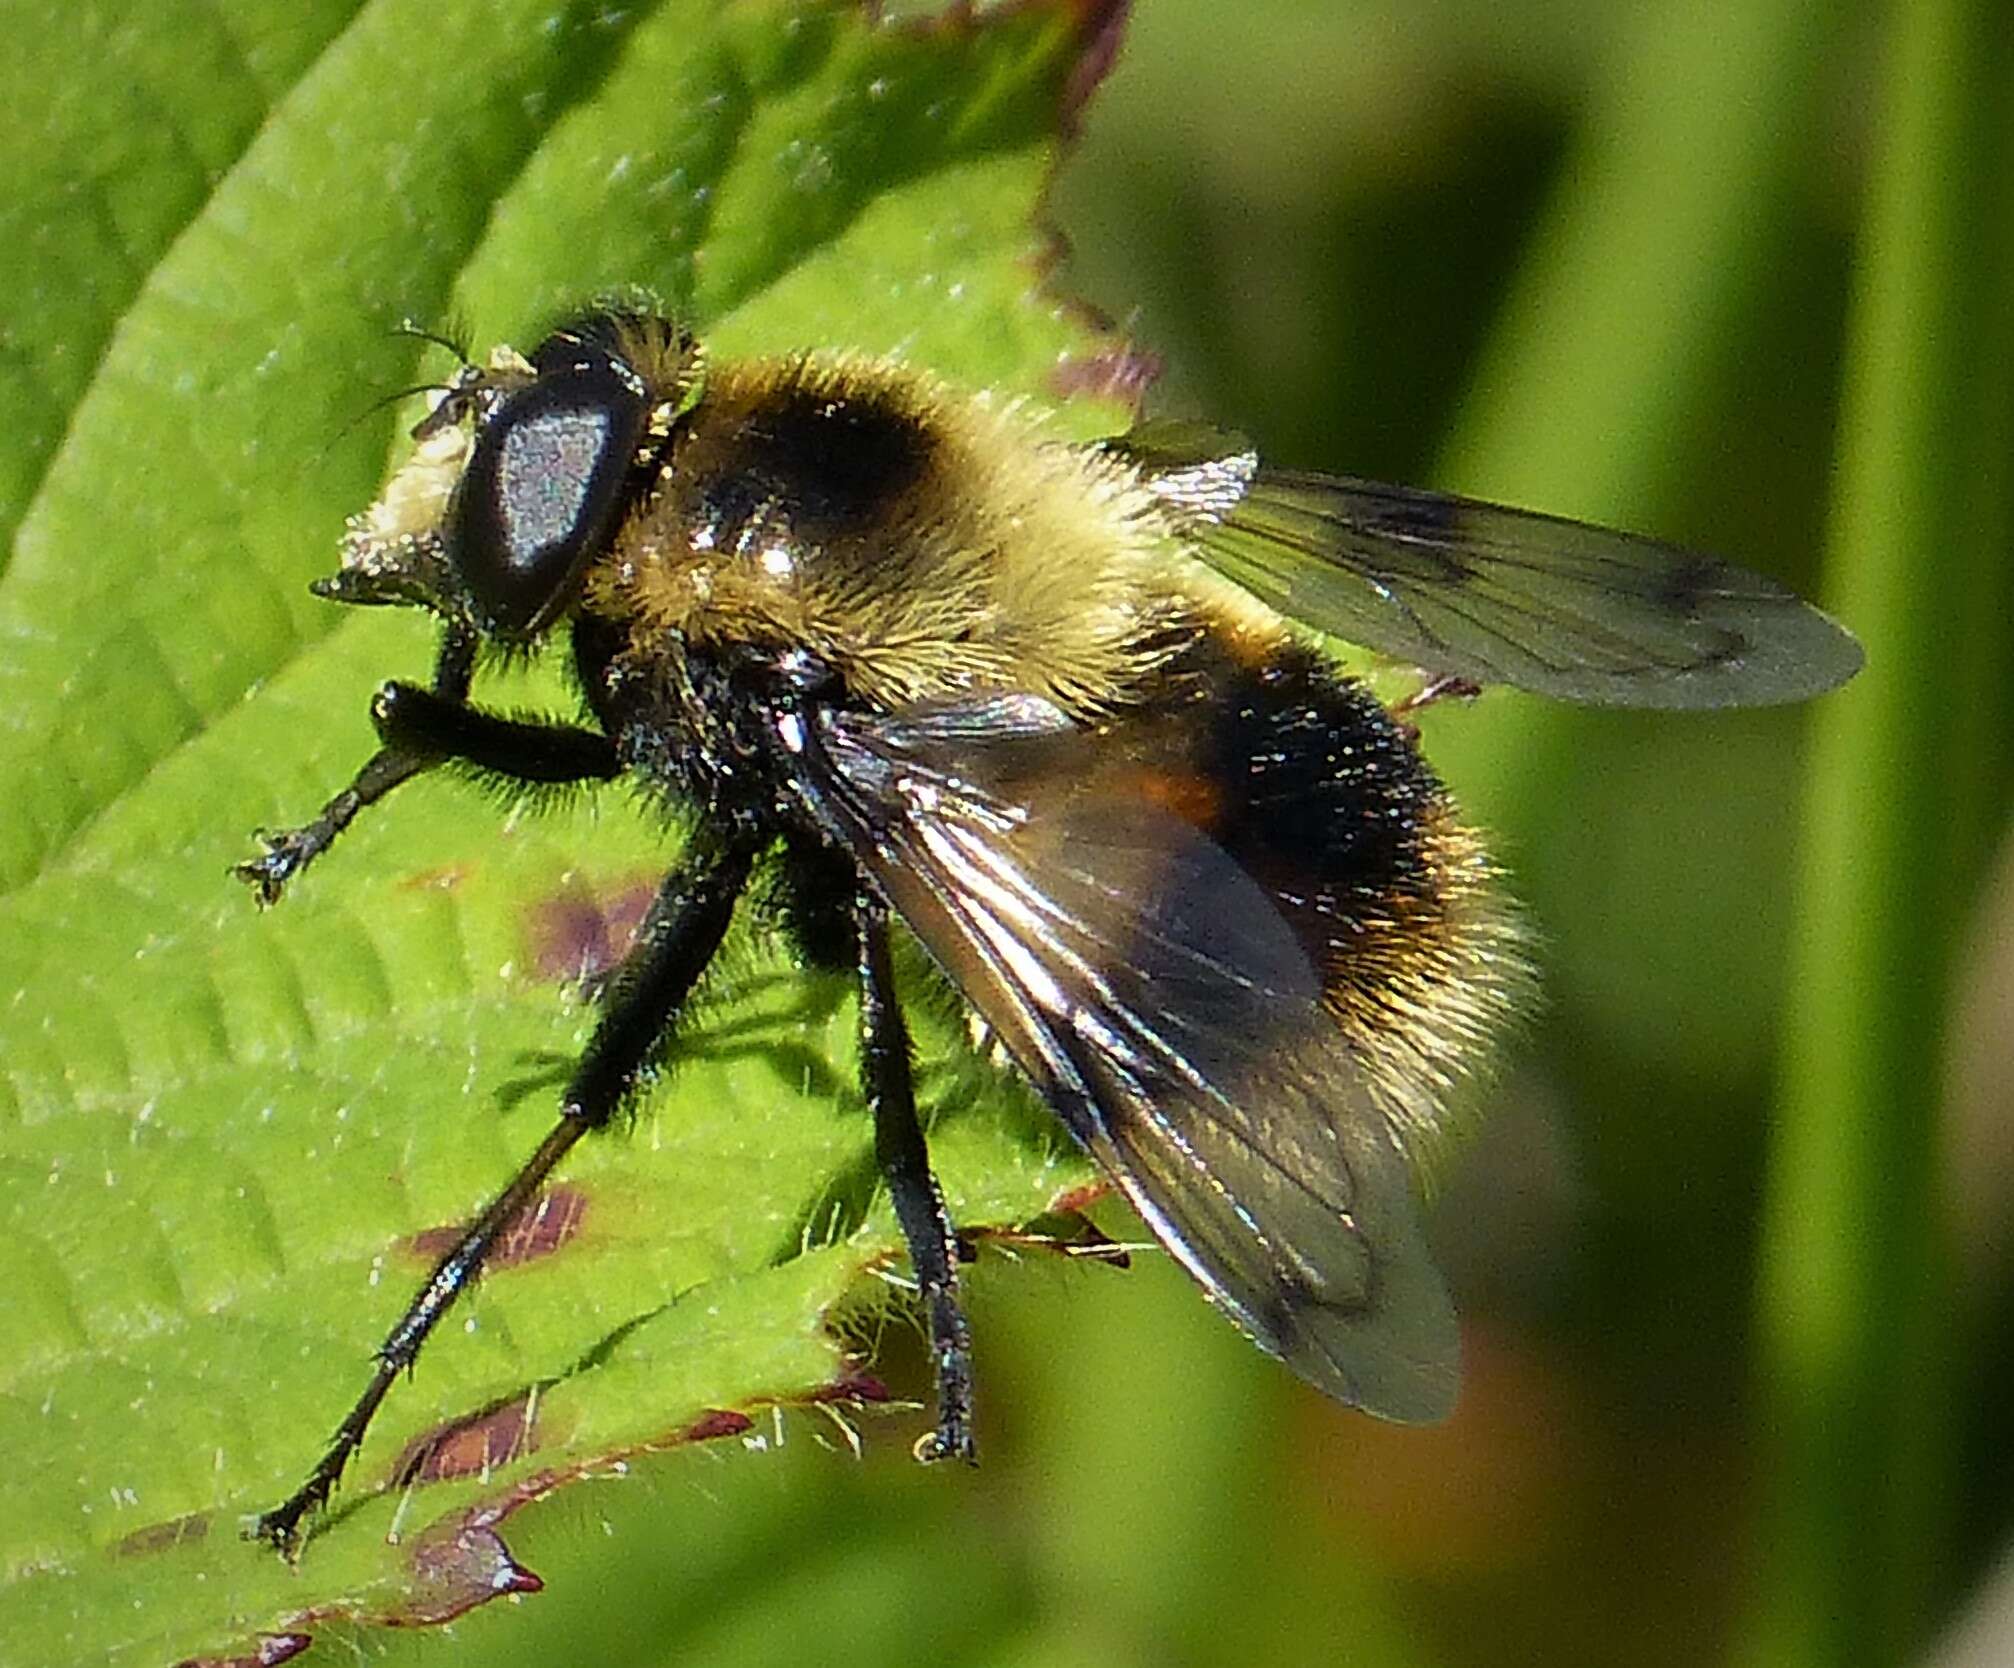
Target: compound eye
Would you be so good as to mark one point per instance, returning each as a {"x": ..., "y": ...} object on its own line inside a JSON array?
[{"x": 545, "y": 485}]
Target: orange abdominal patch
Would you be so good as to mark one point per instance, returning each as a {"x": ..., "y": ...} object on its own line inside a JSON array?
[{"x": 1189, "y": 795}]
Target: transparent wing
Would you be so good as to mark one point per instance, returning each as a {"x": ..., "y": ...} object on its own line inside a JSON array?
[
  {"x": 1152, "y": 992},
  {"x": 1491, "y": 594}
]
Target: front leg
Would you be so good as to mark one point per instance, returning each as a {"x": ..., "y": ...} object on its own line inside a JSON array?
[
  {"x": 290, "y": 851},
  {"x": 417, "y": 730},
  {"x": 531, "y": 752},
  {"x": 885, "y": 1069}
]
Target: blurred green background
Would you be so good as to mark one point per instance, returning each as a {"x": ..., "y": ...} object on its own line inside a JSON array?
[{"x": 1731, "y": 1249}]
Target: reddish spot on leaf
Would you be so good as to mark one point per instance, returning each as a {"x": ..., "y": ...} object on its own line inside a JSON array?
[
  {"x": 580, "y": 935},
  {"x": 159, "y": 1537},
  {"x": 270, "y": 1651},
  {"x": 458, "y": 1564},
  {"x": 469, "y": 1447},
  {"x": 1079, "y": 1199},
  {"x": 1119, "y": 373},
  {"x": 851, "y": 1386},
  {"x": 538, "y": 1230},
  {"x": 715, "y": 1423}
]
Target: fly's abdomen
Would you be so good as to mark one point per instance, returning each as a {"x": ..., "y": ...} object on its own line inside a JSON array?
[{"x": 1301, "y": 776}]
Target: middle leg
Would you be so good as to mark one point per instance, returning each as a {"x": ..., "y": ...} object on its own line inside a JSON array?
[{"x": 887, "y": 1078}]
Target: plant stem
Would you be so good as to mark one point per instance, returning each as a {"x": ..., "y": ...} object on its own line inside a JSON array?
[{"x": 1907, "y": 774}]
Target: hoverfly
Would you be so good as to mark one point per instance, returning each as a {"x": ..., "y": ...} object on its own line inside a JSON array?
[{"x": 1058, "y": 712}]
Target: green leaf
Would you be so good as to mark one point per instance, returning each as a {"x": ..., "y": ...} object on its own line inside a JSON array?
[{"x": 232, "y": 1138}]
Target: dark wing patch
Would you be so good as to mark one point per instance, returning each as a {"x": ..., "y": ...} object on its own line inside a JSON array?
[
  {"x": 1490, "y": 594},
  {"x": 1164, "y": 1008}
]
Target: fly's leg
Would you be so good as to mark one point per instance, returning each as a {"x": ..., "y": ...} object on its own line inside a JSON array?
[
  {"x": 417, "y": 730},
  {"x": 679, "y": 937},
  {"x": 1444, "y": 688},
  {"x": 886, "y": 1078},
  {"x": 290, "y": 851}
]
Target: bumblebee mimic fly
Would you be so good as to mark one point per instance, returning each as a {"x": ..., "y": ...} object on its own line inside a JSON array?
[{"x": 1061, "y": 713}]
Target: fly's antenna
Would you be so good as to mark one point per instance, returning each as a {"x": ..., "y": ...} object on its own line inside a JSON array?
[
  {"x": 453, "y": 339},
  {"x": 379, "y": 404}
]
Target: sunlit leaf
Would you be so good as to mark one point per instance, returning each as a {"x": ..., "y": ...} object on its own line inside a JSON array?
[{"x": 233, "y": 1139}]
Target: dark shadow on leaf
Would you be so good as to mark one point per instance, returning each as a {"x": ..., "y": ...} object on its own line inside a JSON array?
[{"x": 762, "y": 1036}]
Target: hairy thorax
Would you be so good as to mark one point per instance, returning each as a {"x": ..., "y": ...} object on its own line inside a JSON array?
[{"x": 919, "y": 544}]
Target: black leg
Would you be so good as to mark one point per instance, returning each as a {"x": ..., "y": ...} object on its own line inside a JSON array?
[
  {"x": 287, "y": 853},
  {"x": 678, "y": 939},
  {"x": 420, "y": 723},
  {"x": 919, "y": 1205},
  {"x": 1437, "y": 689},
  {"x": 419, "y": 729}
]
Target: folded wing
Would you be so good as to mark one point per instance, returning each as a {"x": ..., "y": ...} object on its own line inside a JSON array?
[
  {"x": 1155, "y": 996},
  {"x": 1491, "y": 594}
]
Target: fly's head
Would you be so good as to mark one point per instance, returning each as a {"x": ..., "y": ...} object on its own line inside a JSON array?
[{"x": 521, "y": 474}]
